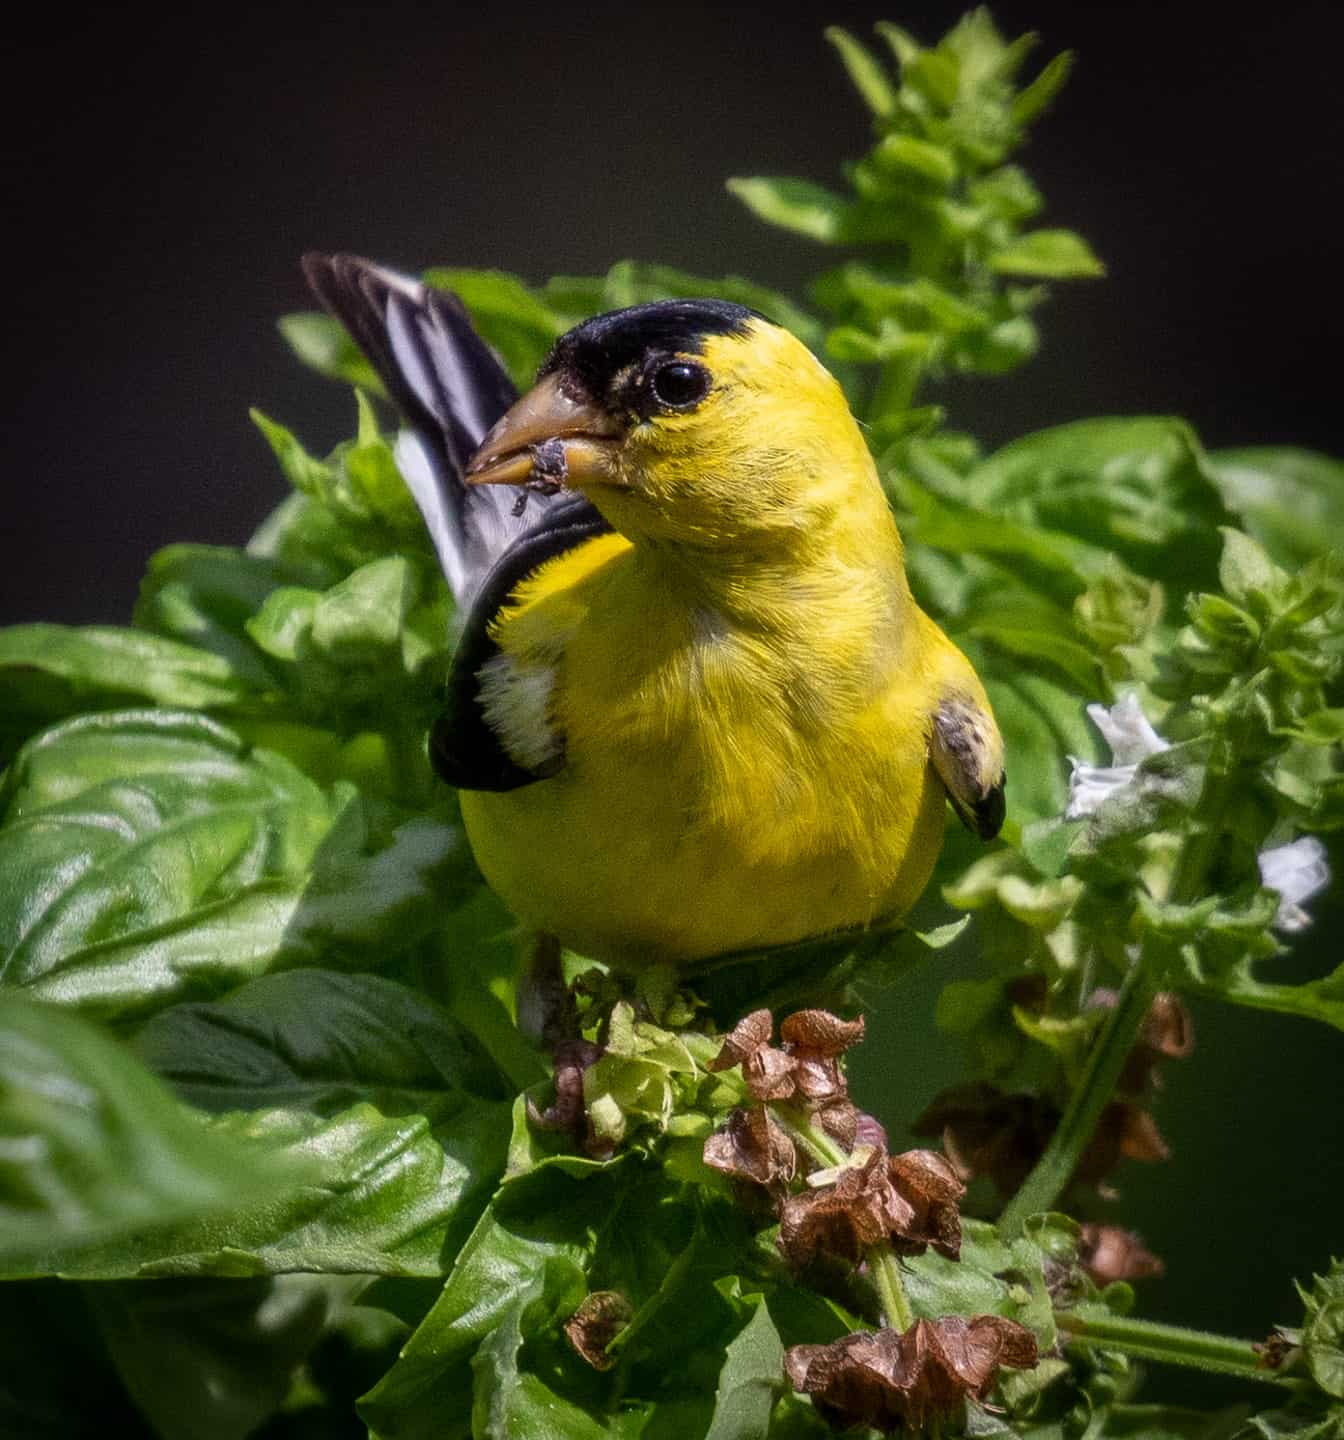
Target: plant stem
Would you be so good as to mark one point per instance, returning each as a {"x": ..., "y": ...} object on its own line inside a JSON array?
[
  {"x": 814, "y": 1140},
  {"x": 1054, "y": 1169},
  {"x": 1169, "y": 1344},
  {"x": 1078, "y": 1124},
  {"x": 896, "y": 384},
  {"x": 886, "y": 1272},
  {"x": 882, "y": 1263}
]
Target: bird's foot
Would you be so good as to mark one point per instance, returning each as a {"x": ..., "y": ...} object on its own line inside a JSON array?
[{"x": 547, "y": 1012}]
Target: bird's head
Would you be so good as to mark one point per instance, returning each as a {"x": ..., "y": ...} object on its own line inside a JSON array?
[{"x": 694, "y": 421}]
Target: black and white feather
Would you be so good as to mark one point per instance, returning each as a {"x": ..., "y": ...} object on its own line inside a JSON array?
[{"x": 450, "y": 389}]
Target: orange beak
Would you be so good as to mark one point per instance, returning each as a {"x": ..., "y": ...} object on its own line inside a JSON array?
[{"x": 550, "y": 437}]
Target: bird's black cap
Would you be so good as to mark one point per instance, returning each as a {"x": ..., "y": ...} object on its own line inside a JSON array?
[{"x": 606, "y": 344}]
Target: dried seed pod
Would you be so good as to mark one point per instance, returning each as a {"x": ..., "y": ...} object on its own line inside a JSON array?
[
  {"x": 814, "y": 1040},
  {"x": 596, "y": 1323},
  {"x": 820, "y": 1032},
  {"x": 1108, "y": 1252},
  {"x": 840, "y": 1120},
  {"x": 1168, "y": 1032},
  {"x": 891, "y": 1379},
  {"x": 770, "y": 1073},
  {"x": 1279, "y": 1350},
  {"x": 1125, "y": 1131},
  {"x": 861, "y": 1209},
  {"x": 753, "y": 1146},
  {"x": 745, "y": 1038},
  {"x": 987, "y": 1132},
  {"x": 927, "y": 1182}
]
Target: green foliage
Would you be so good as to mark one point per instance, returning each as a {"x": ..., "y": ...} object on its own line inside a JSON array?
[
  {"x": 938, "y": 212},
  {"x": 152, "y": 856},
  {"x": 1290, "y": 500},
  {"x": 95, "y": 1150},
  {"x": 257, "y": 1034}
]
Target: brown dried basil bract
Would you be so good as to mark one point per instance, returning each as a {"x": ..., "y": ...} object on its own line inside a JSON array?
[
  {"x": 909, "y": 1199},
  {"x": 815, "y": 1040},
  {"x": 889, "y": 1378},
  {"x": 987, "y": 1132},
  {"x": 861, "y": 1209},
  {"x": 806, "y": 1065},
  {"x": 596, "y": 1323},
  {"x": 1109, "y": 1252},
  {"x": 1168, "y": 1033},
  {"x": 566, "y": 1111},
  {"x": 753, "y": 1146},
  {"x": 931, "y": 1186}
]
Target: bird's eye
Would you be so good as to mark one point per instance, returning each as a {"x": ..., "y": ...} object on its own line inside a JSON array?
[{"x": 680, "y": 384}]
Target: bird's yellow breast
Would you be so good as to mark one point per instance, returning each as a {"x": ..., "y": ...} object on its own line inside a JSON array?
[{"x": 744, "y": 765}]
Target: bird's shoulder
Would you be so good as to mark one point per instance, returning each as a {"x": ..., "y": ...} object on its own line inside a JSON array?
[{"x": 497, "y": 729}]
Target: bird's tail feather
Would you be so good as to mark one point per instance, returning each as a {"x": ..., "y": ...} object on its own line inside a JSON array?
[{"x": 450, "y": 388}]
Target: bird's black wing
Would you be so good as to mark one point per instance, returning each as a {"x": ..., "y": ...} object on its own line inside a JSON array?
[{"x": 451, "y": 388}]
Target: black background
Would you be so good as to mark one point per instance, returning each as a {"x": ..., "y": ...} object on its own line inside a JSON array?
[{"x": 167, "y": 174}]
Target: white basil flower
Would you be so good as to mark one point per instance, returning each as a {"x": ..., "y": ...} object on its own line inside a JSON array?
[
  {"x": 1132, "y": 739},
  {"x": 1297, "y": 871}
]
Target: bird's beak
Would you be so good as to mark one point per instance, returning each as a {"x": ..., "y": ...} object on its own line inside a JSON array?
[{"x": 549, "y": 436}]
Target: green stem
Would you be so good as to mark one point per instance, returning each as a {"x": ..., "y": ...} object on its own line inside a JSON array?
[
  {"x": 886, "y": 1272},
  {"x": 813, "y": 1139},
  {"x": 1169, "y": 1344},
  {"x": 1052, "y": 1172},
  {"x": 896, "y": 384},
  {"x": 1078, "y": 1124}
]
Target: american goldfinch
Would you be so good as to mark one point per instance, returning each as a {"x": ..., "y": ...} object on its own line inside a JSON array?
[{"x": 694, "y": 708}]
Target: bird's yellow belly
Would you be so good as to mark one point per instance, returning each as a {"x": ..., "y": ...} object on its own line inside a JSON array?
[{"x": 635, "y": 855}]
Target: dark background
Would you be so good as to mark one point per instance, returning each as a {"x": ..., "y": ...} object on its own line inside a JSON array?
[{"x": 168, "y": 173}]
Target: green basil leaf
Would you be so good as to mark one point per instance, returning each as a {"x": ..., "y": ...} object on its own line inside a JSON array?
[
  {"x": 334, "y": 1051},
  {"x": 798, "y": 205},
  {"x": 547, "y": 1216},
  {"x": 1291, "y": 500},
  {"x": 1040, "y": 645},
  {"x": 1303, "y": 1420},
  {"x": 1053, "y": 561},
  {"x": 322, "y": 343},
  {"x": 320, "y": 1041},
  {"x": 204, "y": 594},
  {"x": 152, "y": 856},
  {"x": 1029, "y": 102},
  {"x": 50, "y": 671},
  {"x": 375, "y": 644},
  {"x": 210, "y": 1360},
  {"x": 305, "y": 536},
  {"x": 388, "y": 1195},
  {"x": 1047, "y": 255},
  {"x": 506, "y": 1400},
  {"x": 992, "y": 1277},
  {"x": 364, "y": 507},
  {"x": 751, "y": 1380},
  {"x": 911, "y": 158},
  {"x": 866, "y": 71},
  {"x": 1321, "y": 999},
  {"x": 96, "y": 1151},
  {"x": 1140, "y": 487}
]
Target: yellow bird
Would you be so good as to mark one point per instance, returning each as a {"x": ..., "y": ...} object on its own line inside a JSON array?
[{"x": 695, "y": 708}]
